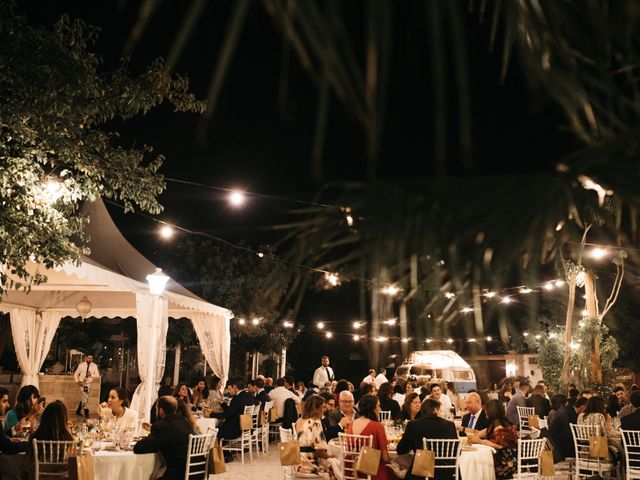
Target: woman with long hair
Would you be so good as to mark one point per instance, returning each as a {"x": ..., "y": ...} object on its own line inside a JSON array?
[
  {"x": 500, "y": 435},
  {"x": 54, "y": 425},
  {"x": 200, "y": 392},
  {"x": 116, "y": 409},
  {"x": 23, "y": 416},
  {"x": 313, "y": 443},
  {"x": 596, "y": 414},
  {"x": 411, "y": 407},
  {"x": 185, "y": 411},
  {"x": 183, "y": 392},
  {"x": 368, "y": 423},
  {"x": 215, "y": 392}
]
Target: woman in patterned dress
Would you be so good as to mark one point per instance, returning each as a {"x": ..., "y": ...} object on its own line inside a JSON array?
[{"x": 313, "y": 444}]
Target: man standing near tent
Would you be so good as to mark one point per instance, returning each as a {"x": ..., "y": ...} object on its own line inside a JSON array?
[
  {"x": 323, "y": 374},
  {"x": 84, "y": 376}
]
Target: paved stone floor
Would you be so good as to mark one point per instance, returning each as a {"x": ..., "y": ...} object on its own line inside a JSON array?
[{"x": 263, "y": 467}]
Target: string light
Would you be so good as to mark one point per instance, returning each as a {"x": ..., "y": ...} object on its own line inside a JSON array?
[
  {"x": 381, "y": 339},
  {"x": 450, "y": 340},
  {"x": 538, "y": 337},
  {"x": 349, "y": 220},
  {"x": 558, "y": 283},
  {"x": 260, "y": 254},
  {"x": 166, "y": 231},
  {"x": 585, "y": 312},
  {"x": 237, "y": 198},
  {"x": 405, "y": 340},
  {"x": 332, "y": 279},
  {"x": 548, "y": 286},
  {"x": 450, "y": 295},
  {"x": 525, "y": 334},
  {"x": 525, "y": 290},
  {"x": 489, "y": 339},
  {"x": 471, "y": 340},
  {"x": 506, "y": 300},
  {"x": 356, "y": 338},
  {"x": 390, "y": 290},
  {"x": 490, "y": 294},
  {"x": 428, "y": 340},
  {"x": 287, "y": 324},
  {"x": 328, "y": 335},
  {"x": 255, "y": 321},
  {"x": 320, "y": 325},
  {"x": 357, "y": 325},
  {"x": 467, "y": 310},
  {"x": 598, "y": 253},
  {"x": 391, "y": 321},
  {"x": 241, "y": 321}
]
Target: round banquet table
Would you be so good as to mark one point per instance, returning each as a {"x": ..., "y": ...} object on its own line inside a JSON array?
[
  {"x": 206, "y": 423},
  {"x": 477, "y": 464},
  {"x": 127, "y": 465}
]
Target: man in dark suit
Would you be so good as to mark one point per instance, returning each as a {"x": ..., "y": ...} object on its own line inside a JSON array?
[
  {"x": 169, "y": 436},
  {"x": 560, "y": 431},
  {"x": 632, "y": 421},
  {"x": 476, "y": 418},
  {"x": 429, "y": 425},
  {"x": 262, "y": 395},
  {"x": 538, "y": 401},
  {"x": 339, "y": 419},
  {"x": 231, "y": 414}
]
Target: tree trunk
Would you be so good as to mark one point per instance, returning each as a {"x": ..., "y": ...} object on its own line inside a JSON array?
[
  {"x": 568, "y": 332},
  {"x": 592, "y": 310}
]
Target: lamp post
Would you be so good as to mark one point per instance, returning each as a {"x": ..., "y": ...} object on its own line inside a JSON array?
[{"x": 157, "y": 282}]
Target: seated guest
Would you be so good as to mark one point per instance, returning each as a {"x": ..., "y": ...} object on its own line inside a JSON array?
[
  {"x": 162, "y": 391},
  {"x": 595, "y": 414},
  {"x": 368, "y": 423},
  {"x": 538, "y": 401},
  {"x": 116, "y": 409},
  {"x": 280, "y": 394},
  {"x": 241, "y": 398},
  {"x": 366, "y": 389},
  {"x": 631, "y": 421},
  {"x": 7, "y": 446},
  {"x": 53, "y": 426},
  {"x": 313, "y": 444},
  {"x": 329, "y": 405},
  {"x": 411, "y": 407},
  {"x": 310, "y": 391},
  {"x": 341, "y": 417},
  {"x": 560, "y": 431},
  {"x": 505, "y": 394},
  {"x": 215, "y": 392},
  {"x": 450, "y": 391},
  {"x": 200, "y": 392},
  {"x": 300, "y": 388},
  {"x": 341, "y": 386},
  {"x": 557, "y": 401},
  {"x": 429, "y": 425},
  {"x": 386, "y": 402},
  {"x": 518, "y": 399},
  {"x": 476, "y": 418},
  {"x": 628, "y": 407},
  {"x": 586, "y": 394},
  {"x": 262, "y": 395},
  {"x": 500, "y": 435},
  {"x": 25, "y": 412},
  {"x": 169, "y": 436},
  {"x": 185, "y": 411},
  {"x": 435, "y": 393},
  {"x": 616, "y": 401},
  {"x": 182, "y": 392},
  {"x": 399, "y": 392}
]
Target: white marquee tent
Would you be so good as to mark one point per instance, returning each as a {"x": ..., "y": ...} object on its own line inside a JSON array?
[{"x": 113, "y": 278}]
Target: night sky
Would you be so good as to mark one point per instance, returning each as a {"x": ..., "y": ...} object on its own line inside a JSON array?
[{"x": 250, "y": 145}]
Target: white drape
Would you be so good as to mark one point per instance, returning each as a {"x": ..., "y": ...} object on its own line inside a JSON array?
[
  {"x": 145, "y": 324},
  {"x": 32, "y": 336},
  {"x": 215, "y": 341}
]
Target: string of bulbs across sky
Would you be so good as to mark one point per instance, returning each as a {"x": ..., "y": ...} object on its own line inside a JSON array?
[{"x": 52, "y": 190}]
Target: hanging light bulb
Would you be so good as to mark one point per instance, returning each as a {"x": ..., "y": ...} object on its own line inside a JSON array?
[
  {"x": 84, "y": 307},
  {"x": 237, "y": 198},
  {"x": 450, "y": 295},
  {"x": 467, "y": 310},
  {"x": 328, "y": 335},
  {"x": 506, "y": 300},
  {"x": 320, "y": 325},
  {"x": 525, "y": 290},
  {"x": 166, "y": 232},
  {"x": 356, "y": 338}
]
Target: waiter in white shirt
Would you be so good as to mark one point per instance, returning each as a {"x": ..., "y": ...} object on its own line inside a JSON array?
[
  {"x": 84, "y": 375},
  {"x": 323, "y": 373}
]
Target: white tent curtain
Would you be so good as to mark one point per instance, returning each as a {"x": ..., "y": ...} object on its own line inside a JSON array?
[
  {"x": 215, "y": 341},
  {"x": 32, "y": 334},
  {"x": 145, "y": 324}
]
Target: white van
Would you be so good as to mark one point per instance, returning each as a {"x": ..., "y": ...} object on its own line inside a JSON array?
[{"x": 438, "y": 366}]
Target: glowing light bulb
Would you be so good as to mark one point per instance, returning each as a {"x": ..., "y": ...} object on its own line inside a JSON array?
[
  {"x": 357, "y": 325},
  {"x": 467, "y": 310},
  {"x": 381, "y": 339},
  {"x": 471, "y": 340},
  {"x": 506, "y": 300},
  {"x": 349, "y": 219},
  {"x": 237, "y": 198},
  {"x": 450, "y": 340},
  {"x": 241, "y": 321},
  {"x": 260, "y": 254},
  {"x": 256, "y": 321},
  {"x": 428, "y": 340},
  {"x": 391, "y": 321},
  {"x": 525, "y": 290},
  {"x": 585, "y": 312},
  {"x": 553, "y": 335},
  {"x": 405, "y": 340},
  {"x": 166, "y": 231},
  {"x": 328, "y": 335},
  {"x": 287, "y": 324},
  {"x": 390, "y": 290},
  {"x": 490, "y": 294},
  {"x": 356, "y": 338},
  {"x": 332, "y": 279},
  {"x": 548, "y": 286},
  {"x": 558, "y": 283},
  {"x": 598, "y": 253},
  {"x": 574, "y": 345},
  {"x": 320, "y": 325},
  {"x": 489, "y": 339},
  {"x": 538, "y": 337},
  {"x": 525, "y": 334},
  {"x": 450, "y": 295}
]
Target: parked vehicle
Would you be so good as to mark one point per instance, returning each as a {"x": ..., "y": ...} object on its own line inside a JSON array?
[{"x": 438, "y": 366}]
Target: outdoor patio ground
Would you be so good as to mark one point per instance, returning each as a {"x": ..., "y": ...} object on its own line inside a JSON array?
[{"x": 263, "y": 467}]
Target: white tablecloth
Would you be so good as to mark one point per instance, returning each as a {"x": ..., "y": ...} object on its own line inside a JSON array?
[
  {"x": 127, "y": 466},
  {"x": 206, "y": 423},
  {"x": 477, "y": 464}
]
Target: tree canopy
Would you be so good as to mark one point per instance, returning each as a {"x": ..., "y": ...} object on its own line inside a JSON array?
[{"x": 54, "y": 149}]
